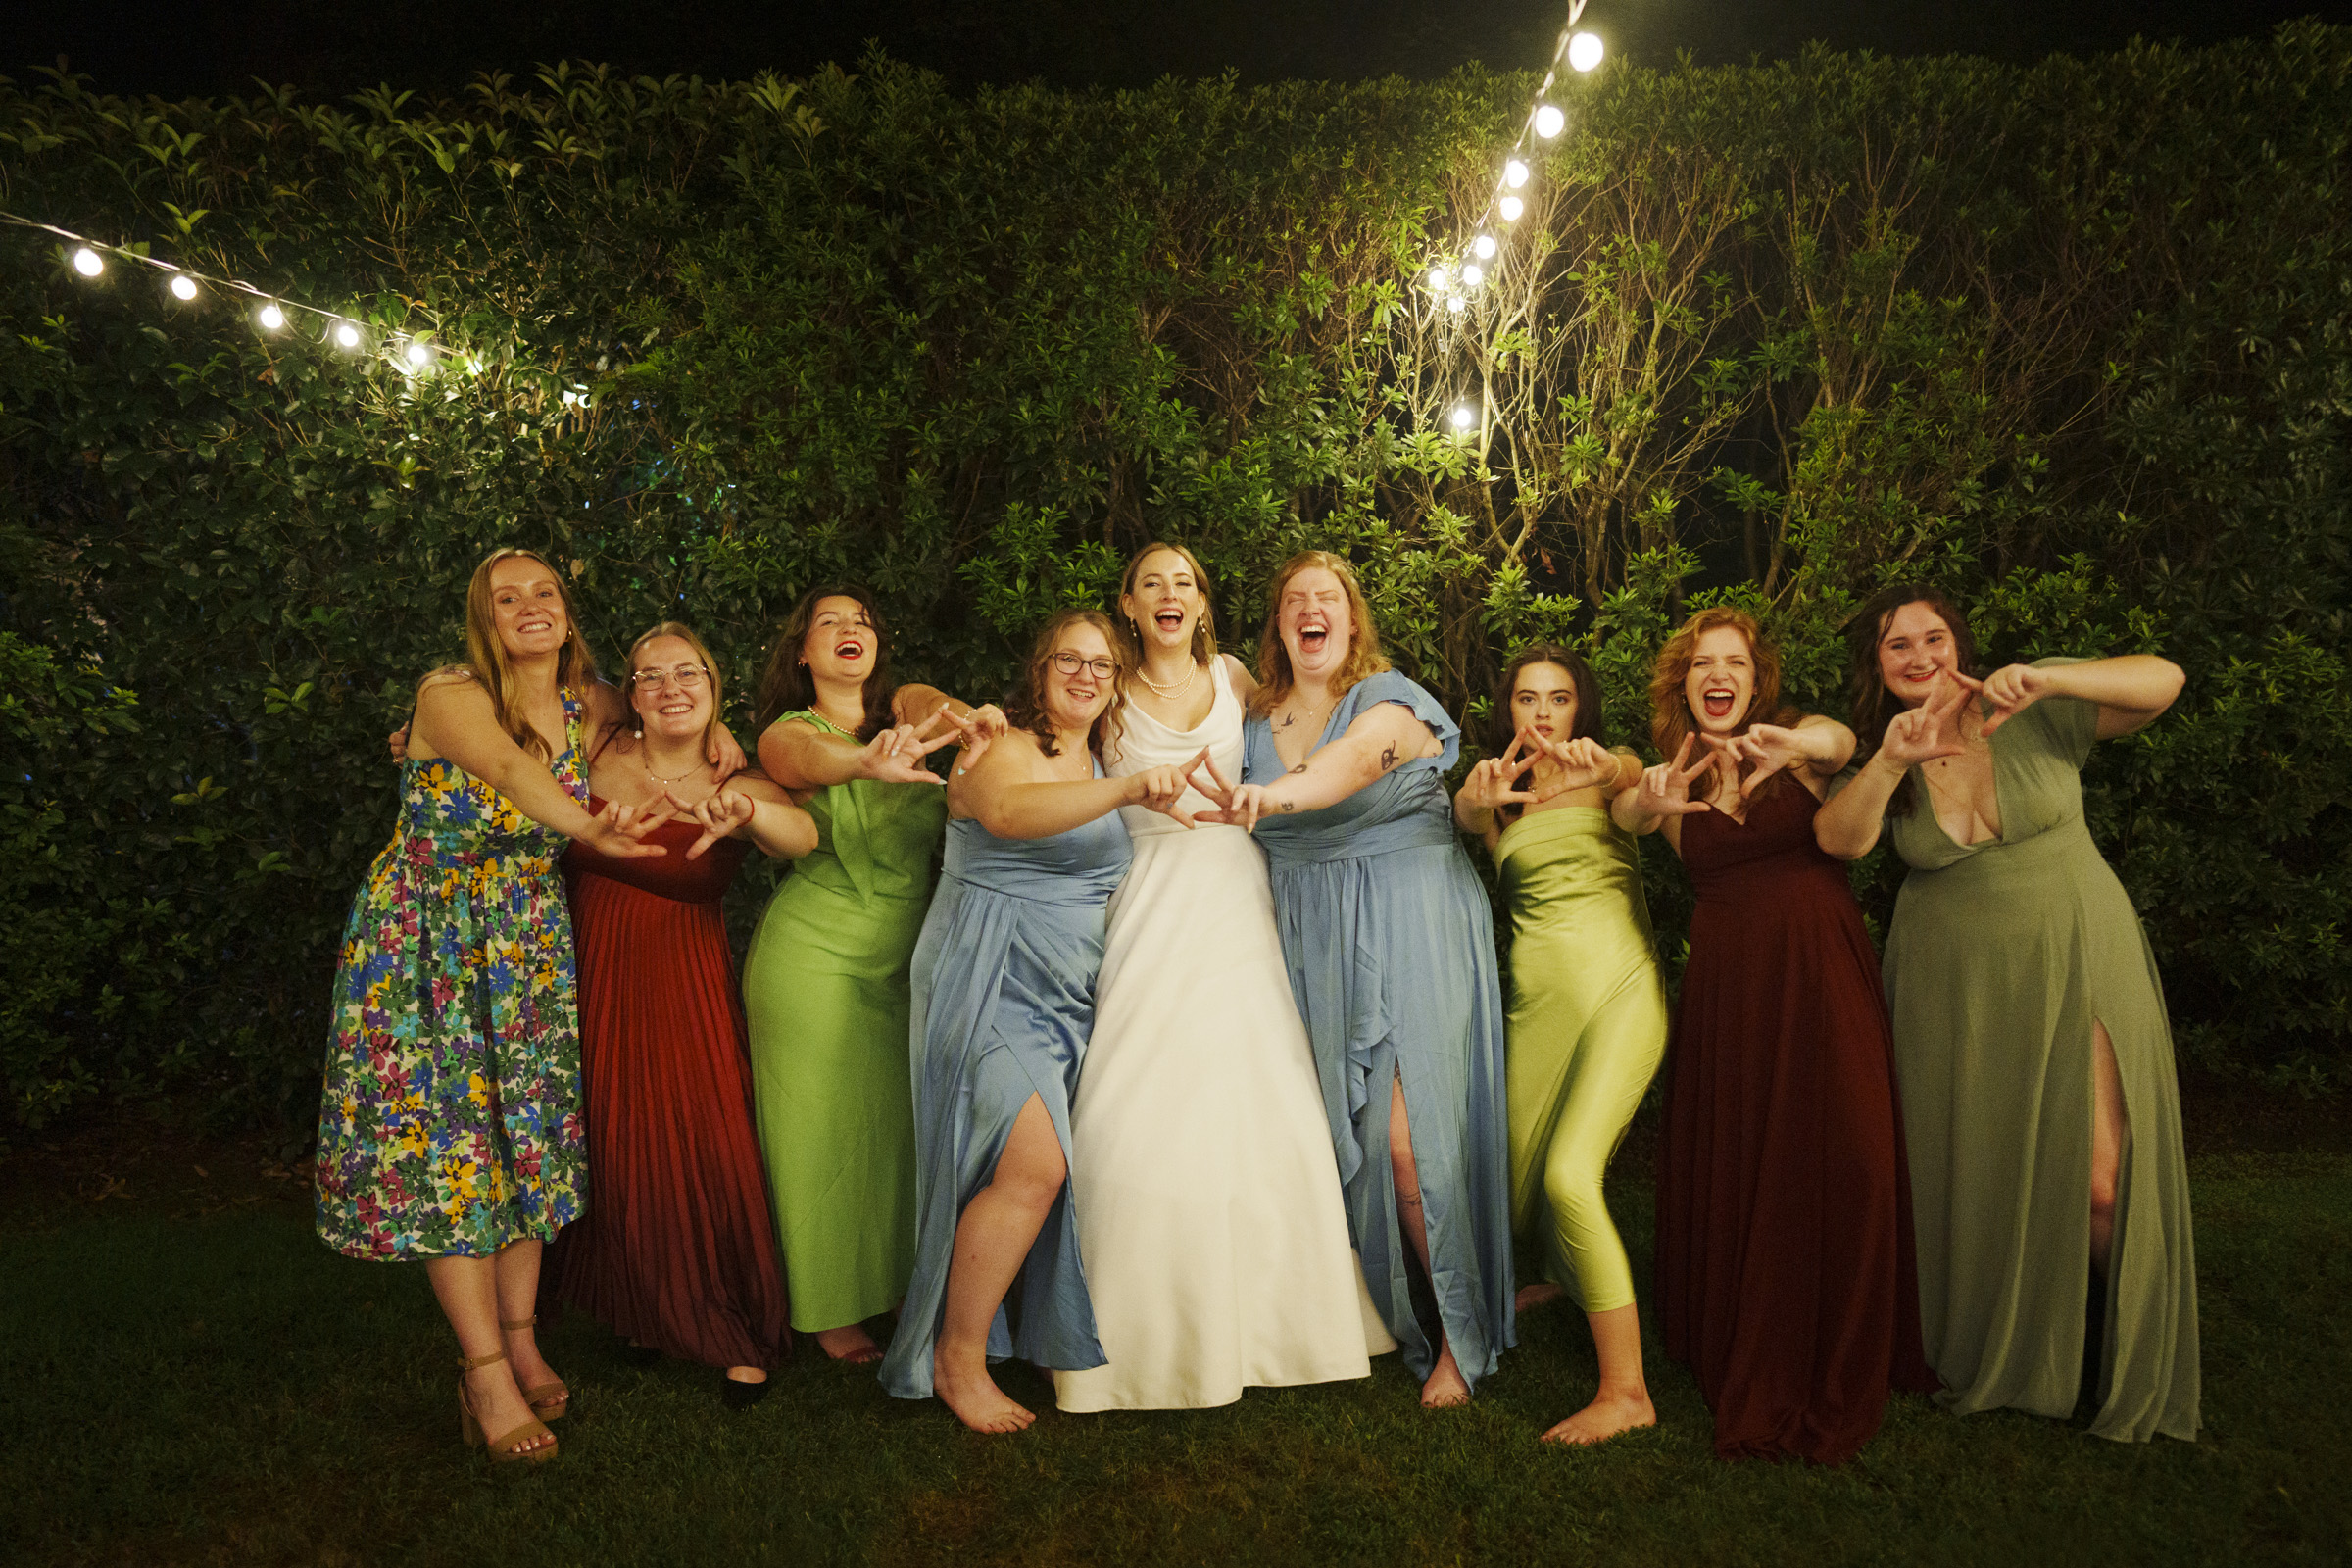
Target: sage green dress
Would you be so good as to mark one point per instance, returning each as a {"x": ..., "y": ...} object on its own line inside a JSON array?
[
  {"x": 825, "y": 994},
  {"x": 2001, "y": 958},
  {"x": 1588, "y": 1027}
]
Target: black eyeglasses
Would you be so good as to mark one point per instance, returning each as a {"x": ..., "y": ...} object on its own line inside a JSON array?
[{"x": 1070, "y": 663}]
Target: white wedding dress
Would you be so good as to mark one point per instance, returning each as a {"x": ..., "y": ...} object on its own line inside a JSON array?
[{"x": 1201, "y": 1164}]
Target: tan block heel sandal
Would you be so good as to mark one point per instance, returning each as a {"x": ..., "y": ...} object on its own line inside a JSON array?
[
  {"x": 548, "y": 1400},
  {"x": 507, "y": 1444}
]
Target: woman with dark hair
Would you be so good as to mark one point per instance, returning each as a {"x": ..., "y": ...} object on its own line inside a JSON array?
[
  {"x": 1588, "y": 1013},
  {"x": 1390, "y": 943},
  {"x": 1786, "y": 1276},
  {"x": 1208, "y": 1201},
  {"x": 449, "y": 1126},
  {"x": 678, "y": 1252},
  {"x": 1004, "y": 1003},
  {"x": 826, "y": 981},
  {"x": 2030, "y": 1027}
]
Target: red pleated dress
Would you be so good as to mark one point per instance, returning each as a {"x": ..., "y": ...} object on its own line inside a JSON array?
[
  {"x": 1785, "y": 1275},
  {"x": 676, "y": 1249}
]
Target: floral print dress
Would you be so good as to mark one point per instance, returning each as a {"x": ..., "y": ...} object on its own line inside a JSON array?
[{"x": 450, "y": 1123}]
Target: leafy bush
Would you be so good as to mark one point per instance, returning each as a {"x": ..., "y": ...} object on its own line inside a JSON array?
[{"x": 2071, "y": 341}]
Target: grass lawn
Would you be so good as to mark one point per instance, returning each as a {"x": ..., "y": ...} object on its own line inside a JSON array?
[{"x": 189, "y": 1377}]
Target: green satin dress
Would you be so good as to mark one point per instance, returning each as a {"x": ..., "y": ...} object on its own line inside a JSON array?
[
  {"x": 825, "y": 994},
  {"x": 1588, "y": 1027},
  {"x": 2001, "y": 957}
]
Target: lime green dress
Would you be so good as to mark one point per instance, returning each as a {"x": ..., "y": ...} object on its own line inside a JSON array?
[
  {"x": 825, "y": 994},
  {"x": 1588, "y": 1027},
  {"x": 2001, "y": 957}
]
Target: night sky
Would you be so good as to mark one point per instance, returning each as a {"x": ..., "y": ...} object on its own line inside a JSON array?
[{"x": 334, "y": 46}]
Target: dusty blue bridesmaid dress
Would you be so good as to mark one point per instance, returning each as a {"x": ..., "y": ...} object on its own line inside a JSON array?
[
  {"x": 1390, "y": 943},
  {"x": 1004, "y": 1001}
]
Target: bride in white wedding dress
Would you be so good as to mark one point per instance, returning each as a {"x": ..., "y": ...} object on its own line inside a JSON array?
[{"x": 1202, "y": 1171}]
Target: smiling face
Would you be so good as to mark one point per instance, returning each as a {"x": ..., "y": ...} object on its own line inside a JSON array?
[
  {"x": 526, "y": 608},
  {"x": 665, "y": 705},
  {"x": 1316, "y": 626},
  {"x": 1544, "y": 696},
  {"x": 1165, "y": 601},
  {"x": 842, "y": 643},
  {"x": 1075, "y": 698},
  {"x": 1915, "y": 647},
  {"x": 1722, "y": 679}
]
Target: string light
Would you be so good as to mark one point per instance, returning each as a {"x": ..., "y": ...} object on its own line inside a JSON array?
[
  {"x": 1438, "y": 279},
  {"x": 1514, "y": 174},
  {"x": 1473, "y": 275},
  {"x": 1457, "y": 303},
  {"x": 1510, "y": 206},
  {"x": 272, "y": 311},
  {"x": 1483, "y": 247},
  {"x": 1464, "y": 417},
  {"x": 1548, "y": 121},
  {"x": 1584, "y": 51}
]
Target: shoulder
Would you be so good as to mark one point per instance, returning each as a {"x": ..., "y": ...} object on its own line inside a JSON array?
[
  {"x": 758, "y": 786},
  {"x": 1374, "y": 695},
  {"x": 1245, "y": 684},
  {"x": 452, "y": 686}
]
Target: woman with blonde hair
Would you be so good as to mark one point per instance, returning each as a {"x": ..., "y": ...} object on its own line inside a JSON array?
[
  {"x": 1209, "y": 1204},
  {"x": 1004, "y": 1003},
  {"x": 449, "y": 1126},
  {"x": 1784, "y": 1269},
  {"x": 1390, "y": 944},
  {"x": 678, "y": 1252}
]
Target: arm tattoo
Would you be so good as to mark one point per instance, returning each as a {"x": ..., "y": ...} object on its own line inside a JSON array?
[
  {"x": 1285, "y": 806},
  {"x": 1300, "y": 768},
  {"x": 1388, "y": 757}
]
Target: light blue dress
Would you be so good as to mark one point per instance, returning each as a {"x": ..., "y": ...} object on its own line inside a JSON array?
[
  {"x": 1390, "y": 942},
  {"x": 1004, "y": 1001}
]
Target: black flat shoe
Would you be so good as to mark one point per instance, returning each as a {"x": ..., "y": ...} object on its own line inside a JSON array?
[{"x": 739, "y": 1395}]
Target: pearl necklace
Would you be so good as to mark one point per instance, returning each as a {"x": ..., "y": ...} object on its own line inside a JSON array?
[{"x": 1176, "y": 690}]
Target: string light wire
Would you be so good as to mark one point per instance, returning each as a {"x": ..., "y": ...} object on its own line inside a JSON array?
[{"x": 272, "y": 311}]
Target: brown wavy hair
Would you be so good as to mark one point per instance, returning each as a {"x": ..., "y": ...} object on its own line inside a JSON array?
[
  {"x": 787, "y": 687},
  {"x": 486, "y": 658},
  {"x": 1205, "y": 632},
  {"x": 1870, "y": 704},
  {"x": 1364, "y": 657},
  {"x": 1670, "y": 719},
  {"x": 701, "y": 652},
  {"x": 1588, "y": 725},
  {"x": 1027, "y": 711}
]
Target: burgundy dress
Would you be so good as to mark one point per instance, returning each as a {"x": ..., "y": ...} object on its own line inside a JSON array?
[
  {"x": 1786, "y": 1274},
  {"x": 676, "y": 1249}
]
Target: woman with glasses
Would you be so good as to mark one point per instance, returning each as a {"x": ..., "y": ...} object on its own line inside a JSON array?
[
  {"x": 826, "y": 981},
  {"x": 678, "y": 1251},
  {"x": 1004, "y": 1003}
]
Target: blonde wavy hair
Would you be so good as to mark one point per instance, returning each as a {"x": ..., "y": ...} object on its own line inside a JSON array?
[
  {"x": 486, "y": 658},
  {"x": 701, "y": 652},
  {"x": 1364, "y": 657}
]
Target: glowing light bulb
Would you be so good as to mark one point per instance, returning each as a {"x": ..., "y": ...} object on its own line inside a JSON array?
[
  {"x": 89, "y": 262},
  {"x": 419, "y": 356},
  {"x": 271, "y": 317},
  {"x": 1514, "y": 174},
  {"x": 1457, "y": 303},
  {"x": 1438, "y": 279},
  {"x": 1510, "y": 206},
  {"x": 1483, "y": 245},
  {"x": 183, "y": 285},
  {"x": 348, "y": 335},
  {"x": 1473, "y": 275},
  {"x": 1584, "y": 51},
  {"x": 1548, "y": 121},
  {"x": 1463, "y": 416}
]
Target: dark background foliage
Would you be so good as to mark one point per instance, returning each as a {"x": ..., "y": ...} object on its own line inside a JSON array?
[{"x": 2068, "y": 339}]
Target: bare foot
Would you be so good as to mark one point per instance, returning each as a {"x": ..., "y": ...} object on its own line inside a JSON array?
[
  {"x": 498, "y": 1406},
  {"x": 1603, "y": 1419},
  {"x": 1543, "y": 1294},
  {"x": 849, "y": 1342},
  {"x": 1446, "y": 1388},
  {"x": 975, "y": 1398}
]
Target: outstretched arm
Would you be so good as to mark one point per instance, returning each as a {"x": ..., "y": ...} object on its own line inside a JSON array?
[
  {"x": 454, "y": 718},
  {"x": 2130, "y": 689},
  {"x": 1849, "y": 823},
  {"x": 1383, "y": 738},
  {"x": 1009, "y": 792},
  {"x": 799, "y": 755}
]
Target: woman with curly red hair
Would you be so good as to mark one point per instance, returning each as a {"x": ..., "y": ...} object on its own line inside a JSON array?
[{"x": 1784, "y": 1269}]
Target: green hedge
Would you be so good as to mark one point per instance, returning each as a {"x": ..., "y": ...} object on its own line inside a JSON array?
[{"x": 2072, "y": 341}]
